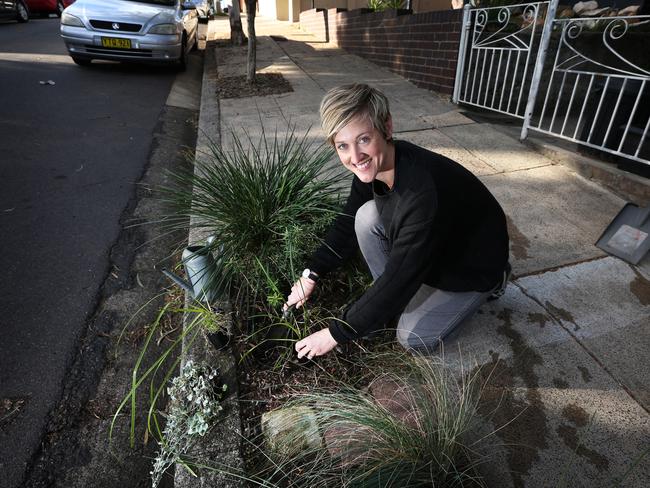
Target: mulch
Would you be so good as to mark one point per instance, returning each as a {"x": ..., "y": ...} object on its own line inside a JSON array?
[
  {"x": 238, "y": 87},
  {"x": 265, "y": 84}
]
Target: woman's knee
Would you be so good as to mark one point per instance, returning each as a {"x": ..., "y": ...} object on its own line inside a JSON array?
[
  {"x": 412, "y": 342},
  {"x": 367, "y": 219}
]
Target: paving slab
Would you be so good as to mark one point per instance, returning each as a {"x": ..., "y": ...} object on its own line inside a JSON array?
[
  {"x": 499, "y": 150},
  {"x": 447, "y": 117},
  {"x": 438, "y": 142},
  {"x": 554, "y": 216},
  {"x": 614, "y": 329},
  {"x": 560, "y": 414}
]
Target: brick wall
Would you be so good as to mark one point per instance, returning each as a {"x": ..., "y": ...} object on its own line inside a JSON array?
[
  {"x": 422, "y": 48},
  {"x": 314, "y": 21}
]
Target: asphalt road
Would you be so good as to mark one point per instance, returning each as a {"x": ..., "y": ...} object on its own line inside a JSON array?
[{"x": 70, "y": 155}]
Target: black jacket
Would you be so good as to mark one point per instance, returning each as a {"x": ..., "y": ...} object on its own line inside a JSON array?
[{"x": 444, "y": 227}]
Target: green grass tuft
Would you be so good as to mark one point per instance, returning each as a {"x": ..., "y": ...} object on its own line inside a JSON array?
[{"x": 268, "y": 204}]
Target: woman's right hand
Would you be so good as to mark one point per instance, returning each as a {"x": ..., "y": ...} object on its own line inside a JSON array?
[{"x": 300, "y": 292}]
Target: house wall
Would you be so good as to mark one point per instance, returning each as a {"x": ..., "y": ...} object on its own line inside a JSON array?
[
  {"x": 307, "y": 4},
  {"x": 416, "y": 5},
  {"x": 275, "y": 9},
  {"x": 419, "y": 6},
  {"x": 422, "y": 48},
  {"x": 315, "y": 22},
  {"x": 265, "y": 8},
  {"x": 290, "y": 9},
  {"x": 282, "y": 8}
]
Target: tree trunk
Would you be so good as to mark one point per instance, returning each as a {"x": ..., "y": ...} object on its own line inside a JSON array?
[
  {"x": 237, "y": 37},
  {"x": 252, "y": 41}
]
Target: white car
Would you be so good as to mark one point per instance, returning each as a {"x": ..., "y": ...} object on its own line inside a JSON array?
[
  {"x": 202, "y": 8},
  {"x": 154, "y": 31}
]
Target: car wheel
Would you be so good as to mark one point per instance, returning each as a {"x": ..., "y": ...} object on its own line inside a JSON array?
[
  {"x": 182, "y": 61},
  {"x": 59, "y": 7},
  {"x": 22, "y": 12},
  {"x": 81, "y": 61}
]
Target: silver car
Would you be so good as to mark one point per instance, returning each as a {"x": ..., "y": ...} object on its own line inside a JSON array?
[
  {"x": 156, "y": 31},
  {"x": 202, "y": 8}
]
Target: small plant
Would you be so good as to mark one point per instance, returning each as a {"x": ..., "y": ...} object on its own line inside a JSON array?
[
  {"x": 198, "y": 317},
  {"x": 381, "y": 5},
  {"x": 195, "y": 404},
  {"x": 394, "y": 4}
]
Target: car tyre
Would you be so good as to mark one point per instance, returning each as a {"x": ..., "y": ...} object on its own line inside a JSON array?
[
  {"x": 81, "y": 61},
  {"x": 182, "y": 61},
  {"x": 22, "y": 14},
  {"x": 59, "y": 7}
]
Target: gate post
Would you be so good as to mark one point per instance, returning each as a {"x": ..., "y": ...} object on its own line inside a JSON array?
[
  {"x": 539, "y": 66},
  {"x": 464, "y": 33}
]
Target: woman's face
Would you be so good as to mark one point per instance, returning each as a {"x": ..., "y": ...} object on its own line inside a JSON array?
[{"x": 363, "y": 149}]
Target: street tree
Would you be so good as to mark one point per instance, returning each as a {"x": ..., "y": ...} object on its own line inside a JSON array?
[
  {"x": 252, "y": 41},
  {"x": 237, "y": 37}
]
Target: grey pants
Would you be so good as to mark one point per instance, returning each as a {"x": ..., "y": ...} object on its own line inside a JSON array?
[{"x": 431, "y": 314}]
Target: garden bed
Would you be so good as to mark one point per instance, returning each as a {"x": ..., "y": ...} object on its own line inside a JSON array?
[{"x": 268, "y": 204}]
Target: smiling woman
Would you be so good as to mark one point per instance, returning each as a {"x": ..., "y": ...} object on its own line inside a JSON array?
[
  {"x": 153, "y": 31},
  {"x": 434, "y": 238}
]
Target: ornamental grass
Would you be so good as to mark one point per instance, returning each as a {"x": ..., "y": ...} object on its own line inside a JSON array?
[
  {"x": 415, "y": 425},
  {"x": 267, "y": 203}
]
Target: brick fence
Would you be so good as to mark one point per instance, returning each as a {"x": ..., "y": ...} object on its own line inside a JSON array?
[{"x": 422, "y": 48}]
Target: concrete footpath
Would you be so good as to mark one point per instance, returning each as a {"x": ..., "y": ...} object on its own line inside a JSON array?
[{"x": 568, "y": 343}]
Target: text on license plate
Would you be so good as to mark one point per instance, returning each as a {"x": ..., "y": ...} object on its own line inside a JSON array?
[{"x": 116, "y": 43}]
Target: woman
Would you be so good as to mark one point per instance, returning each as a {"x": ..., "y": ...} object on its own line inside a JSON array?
[{"x": 433, "y": 236}]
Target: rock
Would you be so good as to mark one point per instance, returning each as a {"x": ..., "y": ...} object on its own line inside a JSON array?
[
  {"x": 397, "y": 399},
  {"x": 289, "y": 431},
  {"x": 631, "y": 10},
  {"x": 348, "y": 443},
  {"x": 566, "y": 13},
  {"x": 599, "y": 12},
  {"x": 580, "y": 7}
]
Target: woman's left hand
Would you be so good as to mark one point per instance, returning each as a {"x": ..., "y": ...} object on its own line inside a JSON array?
[{"x": 317, "y": 344}]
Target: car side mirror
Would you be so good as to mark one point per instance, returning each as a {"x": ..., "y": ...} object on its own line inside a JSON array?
[{"x": 188, "y": 5}]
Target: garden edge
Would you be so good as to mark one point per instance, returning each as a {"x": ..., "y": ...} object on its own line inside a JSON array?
[{"x": 221, "y": 447}]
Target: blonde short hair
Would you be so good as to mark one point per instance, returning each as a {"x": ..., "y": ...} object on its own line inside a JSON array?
[{"x": 343, "y": 103}]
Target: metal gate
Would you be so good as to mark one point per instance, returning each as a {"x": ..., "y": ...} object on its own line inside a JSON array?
[{"x": 595, "y": 91}]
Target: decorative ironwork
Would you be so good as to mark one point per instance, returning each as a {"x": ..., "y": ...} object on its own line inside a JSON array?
[
  {"x": 596, "y": 95},
  {"x": 498, "y": 70},
  {"x": 615, "y": 29}
]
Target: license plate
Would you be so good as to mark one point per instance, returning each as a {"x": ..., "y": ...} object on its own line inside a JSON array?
[{"x": 116, "y": 43}]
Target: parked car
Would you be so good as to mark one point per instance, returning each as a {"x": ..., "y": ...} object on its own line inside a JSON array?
[
  {"x": 47, "y": 6},
  {"x": 154, "y": 31},
  {"x": 202, "y": 8},
  {"x": 14, "y": 10}
]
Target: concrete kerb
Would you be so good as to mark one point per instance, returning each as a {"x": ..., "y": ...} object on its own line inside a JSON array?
[{"x": 221, "y": 447}]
